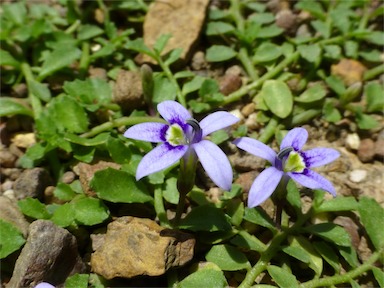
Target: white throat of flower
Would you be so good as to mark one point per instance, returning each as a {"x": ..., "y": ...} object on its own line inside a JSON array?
[
  {"x": 175, "y": 135},
  {"x": 294, "y": 163}
]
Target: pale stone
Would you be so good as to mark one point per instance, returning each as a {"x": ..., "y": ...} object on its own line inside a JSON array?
[
  {"x": 352, "y": 141},
  {"x": 135, "y": 246},
  {"x": 358, "y": 175},
  {"x": 24, "y": 140},
  {"x": 183, "y": 19}
]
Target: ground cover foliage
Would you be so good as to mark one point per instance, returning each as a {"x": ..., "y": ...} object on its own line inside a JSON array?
[{"x": 286, "y": 74}]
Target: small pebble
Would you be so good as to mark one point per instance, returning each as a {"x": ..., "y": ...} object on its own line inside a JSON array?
[
  {"x": 358, "y": 175},
  {"x": 68, "y": 177},
  {"x": 7, "y": 159},
  {"x": 352, "y": 141},
  {"x": 248, "y": 109},
  {"x": 24, "y": 140},
  {"x": 366, "y": 150},
  {"x": 251, "y": 122}
]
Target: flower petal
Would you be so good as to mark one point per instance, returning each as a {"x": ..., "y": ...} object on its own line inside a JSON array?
[
  {"x": 150, "y": 132},
  {"x": 295, "y": 138},
  {"x": 173, "y": 112},
  {"x": 263, "y": 186},
  {"x": 215, "y": 163},
  {"x": 217, "y": 121},
  {"x": 159, "y": 158},
  {"x": 320, "y": 156},
  {"x": 256, "y": 148},
  {"x": 313, "y": 180}
]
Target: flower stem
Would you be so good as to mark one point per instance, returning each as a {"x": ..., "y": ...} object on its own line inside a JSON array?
[
  {"x": 345, "y": 278},
  {"x": 185, "y": 181},
  {"x": 159, "y": 208},
  {"x": 35, "y": 101},
  {"x": 124, "y": 121},
  {"x": 269, "y": 130}
]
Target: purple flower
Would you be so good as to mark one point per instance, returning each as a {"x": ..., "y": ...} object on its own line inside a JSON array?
[
  {"x": 44, "y": 285},
  {"x": 183, "y": 136},
  {"x": 290, "y": 161}
]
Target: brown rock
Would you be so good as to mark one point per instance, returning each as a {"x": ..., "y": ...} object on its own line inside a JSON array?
[
  {"x": 135, "y": 246},
  {"x": 183, "y": 19},
  {"x": 10, "y": 212},
  {"x": 86, "y": 171},
  {"x": 128, "y": 91},
  {"x": 286, "y": 20},
  {"x": 366, "y": 150},
  {"x": 244, "y": 162},
  {"x": 351, "y": 227},
  {"x": 351, "y": 71},
  {"x": 7, "y": 159},
  {"x": 246, "y": 179},
  {"x": 32, "y": 183},
  {"x": 229, "y": 83},
  {"x": 379, "y": 149},
  {"x": 49, "y": 255},
  {"x": 248, "y": 109}
]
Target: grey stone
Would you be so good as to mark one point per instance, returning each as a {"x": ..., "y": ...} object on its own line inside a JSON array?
[
  {"x": 49, "y": 255},
  {"x": 10, "y": 212},
  {"x": 32, "y": 183}
]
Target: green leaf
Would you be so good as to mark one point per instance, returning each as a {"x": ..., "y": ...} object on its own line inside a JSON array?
[
  {"x": 16, "y": 12},
  {"x": 9, "y": 106},
  {"x": 328, "y": 254},
  {"x": 205, "y": 218},
  {"x": 312, "y": 94},
  {"x": 331, "y": 114},
  {"x": 374, "y": 95},
  {"x": 88, "y": 31},
  {"x": 245, "y": 240},
  {"x": 338, "y": 204},
  {"x": 228, "y": 258},
  {"x": 219, "y": 53},
  {"x": 219, "y": 136},
  {"x": 64, "y": 192},
  {"x": 332, "y": 51},
  {"x": 293, "y": 196},
  {"x": 39, "y": 90},
  {"x": 282, "y": 277},
  {"x": 235, "y": 209},
  {"x": 193, "y": 85},
  {"x": 170, "y": 192},
  {"x": 259, "y": 217},
  {"x": 379, "y": 276},
  {"x": 6, "y": 59},
  {"x": 313, "y": 7},
  {"x": 350, "y": 255},
  {"x": 55, "y": 60},
  {"x": 33, "y": 208},
  {"x": 277, "y": 97},
  {"x": 161, "y": 42},
  {"x": 372, "y": 217},
  {"x": 163, "y": 89},
  {"x": 304, "y": 251},
  {"x": 266, "y": 52},
  {"x": 89, "y": 211},
  {"x": 173, "y": 56},
  {"x": 269, "y": 31},
  {"x": 311, "y": 53},
  {"x": 118, "y": 151},
  {"x": 123, "y": 189},
  {"x": 205, "y": 277},
  {"x": 322, "y": 27},
  {"x": 64, "y": 215},
  {"x": 139, "y": 46},
  {"x": 77, "y": 281},
  {"x": 218, "y": 28},
  {"x": 91, "y": 93},
  {"x": 375, "y": 37},
  {"x": 68, "y": 114},
  {"x": 330, "y": 232},
  {"x": 365, "y": 121},
  {"x": 11, "y": 239},
  {"x": 336, "y": 84}
]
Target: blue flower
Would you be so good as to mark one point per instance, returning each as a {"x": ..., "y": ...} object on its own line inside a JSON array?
[
  {"x": 290, "y": 161},
  {"x": 183, "y": 136}
]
